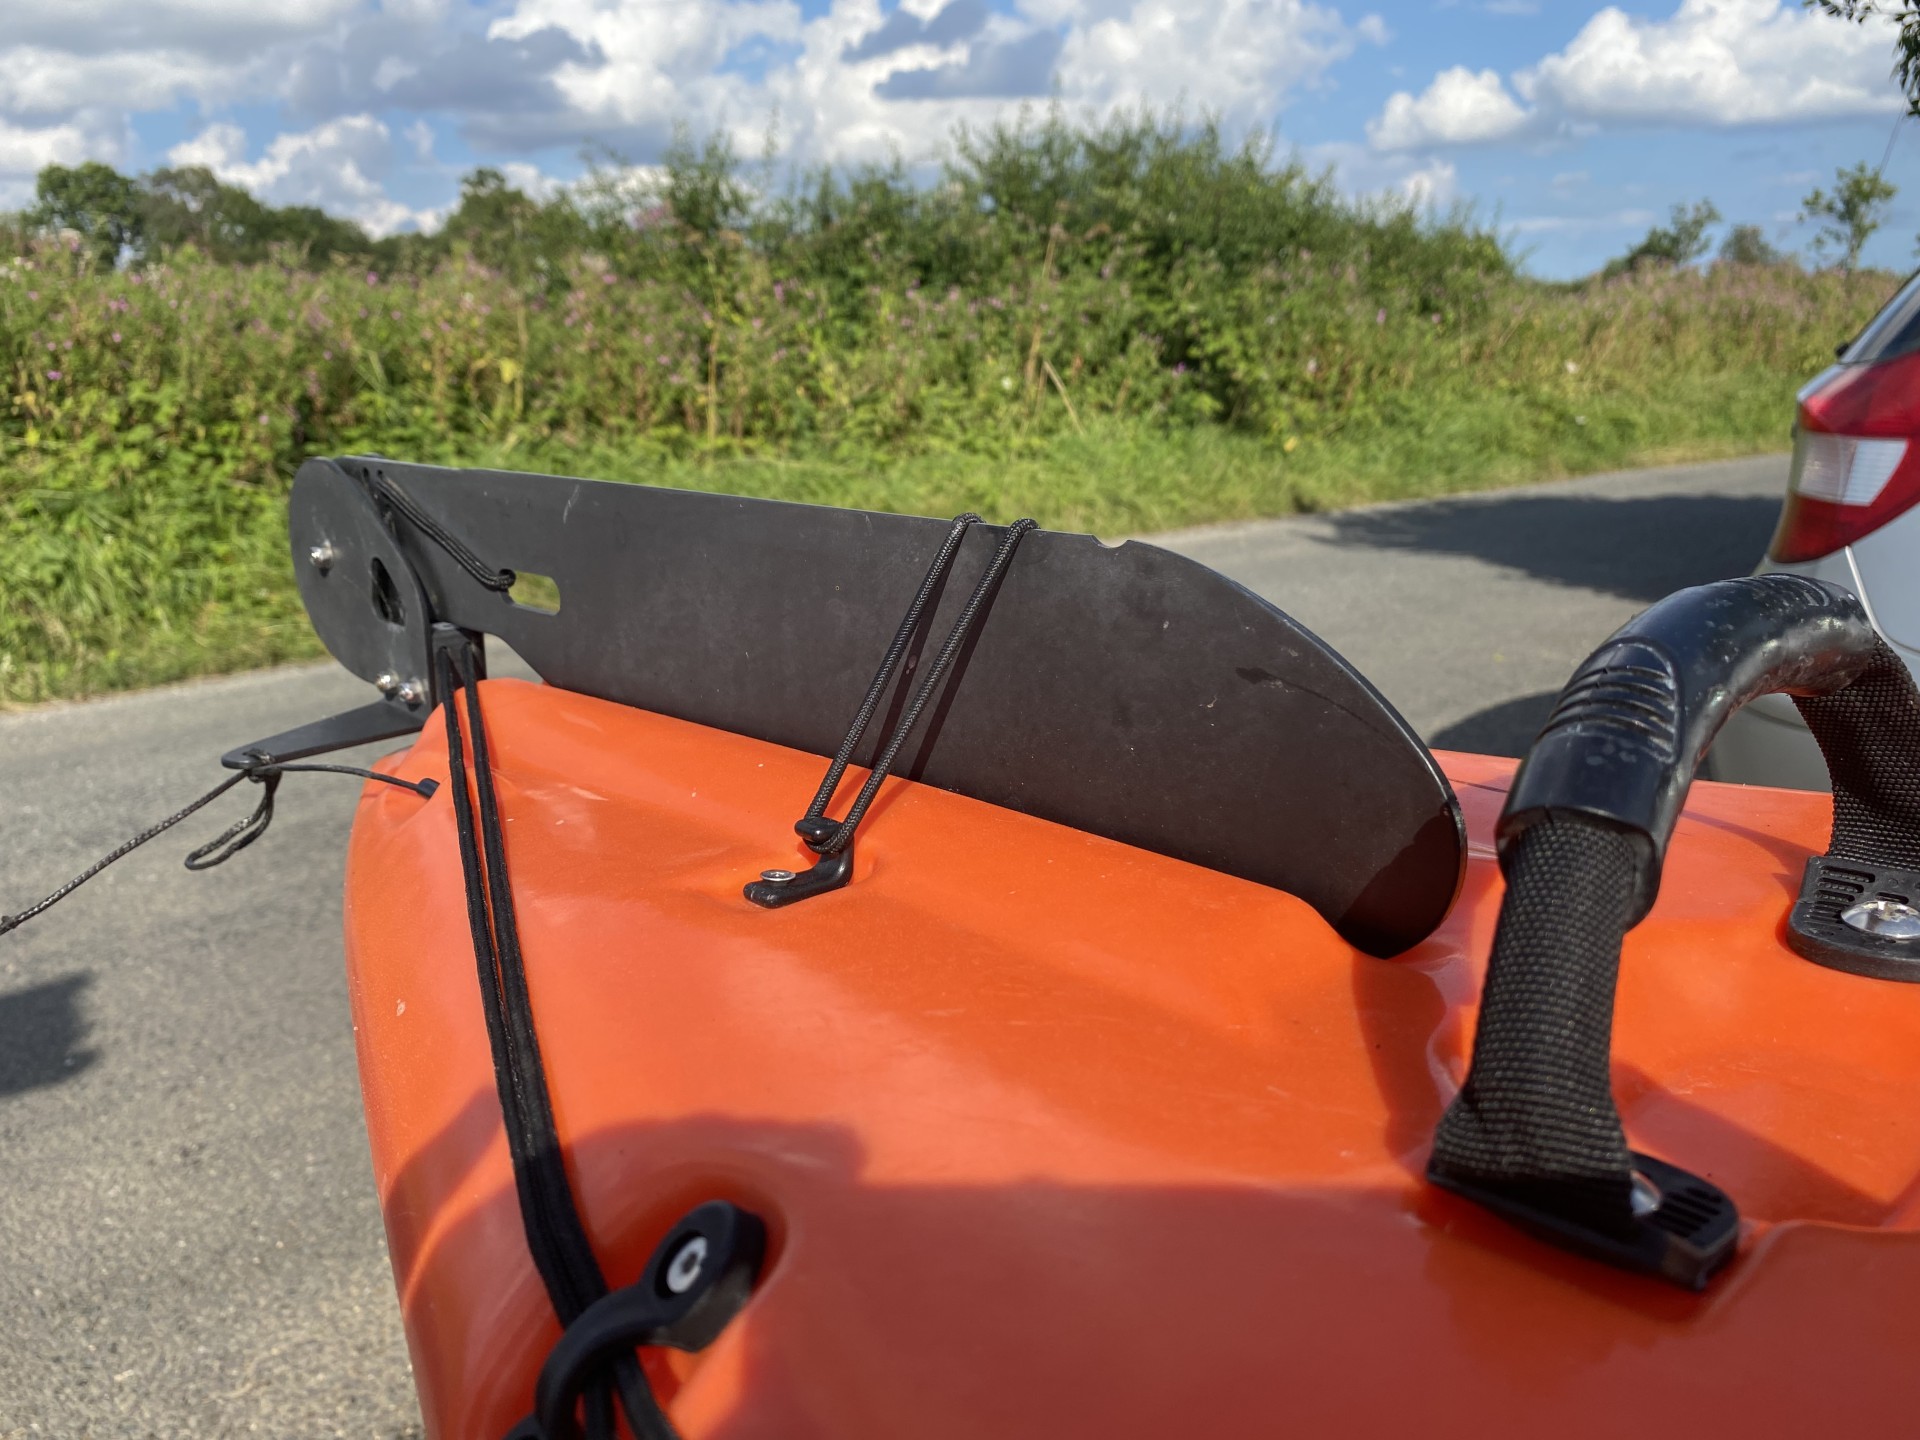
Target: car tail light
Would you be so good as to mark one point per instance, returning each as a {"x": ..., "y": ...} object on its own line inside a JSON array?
[{"x": 1855, "y": 465}]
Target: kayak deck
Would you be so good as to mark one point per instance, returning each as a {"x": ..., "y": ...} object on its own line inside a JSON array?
[{"x": 1057, "y": 1136}]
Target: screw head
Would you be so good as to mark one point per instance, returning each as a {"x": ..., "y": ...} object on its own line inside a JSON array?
[
  {"x": 1884, "y": 919},
  {"x": 322, "y": 556},
  {"x": 1645, "y": 1196},
  {"x": 410, "y": 692},
  {"x": 776, "y": 877},
  {"x": 386, "y": 683},
  {"x": 687, "y": 1263}
]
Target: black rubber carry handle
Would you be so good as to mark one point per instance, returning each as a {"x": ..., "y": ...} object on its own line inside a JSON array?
[
  {"x": 1534, "y": 1133},
  {"x": 1629, "y": 730}
]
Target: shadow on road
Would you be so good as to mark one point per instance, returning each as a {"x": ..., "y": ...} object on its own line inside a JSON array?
[
  {"x": 1508, "y": 728},
  {"x": 1640, "y": 549},
  {"x": 42, "y": 1032}
]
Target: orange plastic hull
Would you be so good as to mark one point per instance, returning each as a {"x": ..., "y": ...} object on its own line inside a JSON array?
[{"x": 1057, "y": 1137}]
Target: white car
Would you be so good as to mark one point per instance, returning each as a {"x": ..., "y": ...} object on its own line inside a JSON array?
[{"x": 1852, "y": 517}]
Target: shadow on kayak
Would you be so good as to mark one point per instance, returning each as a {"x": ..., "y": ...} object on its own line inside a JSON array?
[{"x": 874, "y": 1283}]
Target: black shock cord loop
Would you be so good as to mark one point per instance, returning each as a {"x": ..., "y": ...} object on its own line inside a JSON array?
[
  {"x": 838, "y": 840},
  {"x": 936, "y": 574},
  {"x": 556, "y": 1237},
  {"x": 229, "y": 842},
  {"x": 398, "y": 499}
]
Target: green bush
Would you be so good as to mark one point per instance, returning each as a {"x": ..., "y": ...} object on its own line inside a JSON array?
[{"x": 1113, "y": 327}]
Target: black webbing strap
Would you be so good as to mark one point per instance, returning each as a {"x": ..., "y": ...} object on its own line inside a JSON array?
[
  {"x": 1869, "y": 736},
  {"x": 556, "y": 1238},
  {"x": 1536, "y": 1113}
]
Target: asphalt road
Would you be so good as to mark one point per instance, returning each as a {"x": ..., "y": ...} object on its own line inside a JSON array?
[{"x": 189, "y": 1238}]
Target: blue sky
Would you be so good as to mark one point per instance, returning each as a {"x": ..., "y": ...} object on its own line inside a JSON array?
[{"x": 1574, "y": 126}]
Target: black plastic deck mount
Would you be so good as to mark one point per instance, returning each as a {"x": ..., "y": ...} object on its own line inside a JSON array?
[
  {"x": 1688, "y": 1230},
  {"x": 697, "y": 1280},
  {"x": 1122, "y": 690},
  {"x": 1828, "y": 890}
]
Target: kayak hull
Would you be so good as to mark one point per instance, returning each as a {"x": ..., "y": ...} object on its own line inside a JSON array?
[{"x": 1058, "y": 1136}]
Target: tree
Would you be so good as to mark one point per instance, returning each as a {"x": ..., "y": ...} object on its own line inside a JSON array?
[
  {"x": 1856, "y": 208},
  {"x": 1906, "y": 55},
  {"x": 95, "y": 202},
  {"x": 1679, "y": 242},
  {"x": 192, "y": 206},
  {"x": 507, "y": 230},
  {"x": 1747, "y": 245}
]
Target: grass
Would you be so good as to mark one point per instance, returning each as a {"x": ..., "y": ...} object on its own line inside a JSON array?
[
  {"x": 1112, "y": 478},
  {"x": 1118, "y": 479}
]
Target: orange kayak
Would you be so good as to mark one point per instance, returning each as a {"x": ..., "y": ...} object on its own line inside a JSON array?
[
  {"x": 1055, "y": 1136},
  {"x": 1179, "y": 1048}
]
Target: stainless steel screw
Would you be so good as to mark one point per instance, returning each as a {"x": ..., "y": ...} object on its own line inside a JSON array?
[
  {"x": 1645, "y": 1196},
  {"x": 687, "y": 1263},
  {"x": 387, "y": 683},
  {"x": 1887, "y": 919},
  {"x": 410, "y": 692},
  {"x": 776, "y": 877},
  {"x": 322, "y": 556}
]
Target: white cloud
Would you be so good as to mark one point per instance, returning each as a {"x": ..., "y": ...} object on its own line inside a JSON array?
[
  {"x": 858, "y": 83},
  {"x": 420, "y": 136},
  {"x": 1238, "y": 58},
  {"x": 1717, "y": 62},
  {"x": 1460, "y": 107},
  {"x": 865, "y": 80},
  {"x": 530, "y": 180},
  {"x": 218, "y": 147},
  {"x": 1712, "y": 62},
  {"x": 644, "y": 64},
  {"x": 235, "y": 28},
  {"x": 1363, "y": 172},
  {"x": 1434, "y": 184},
  {"x": 27, "y": 149},
  {"x": 54, "y": 84},
  {"x": 338, "y": 166}
]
